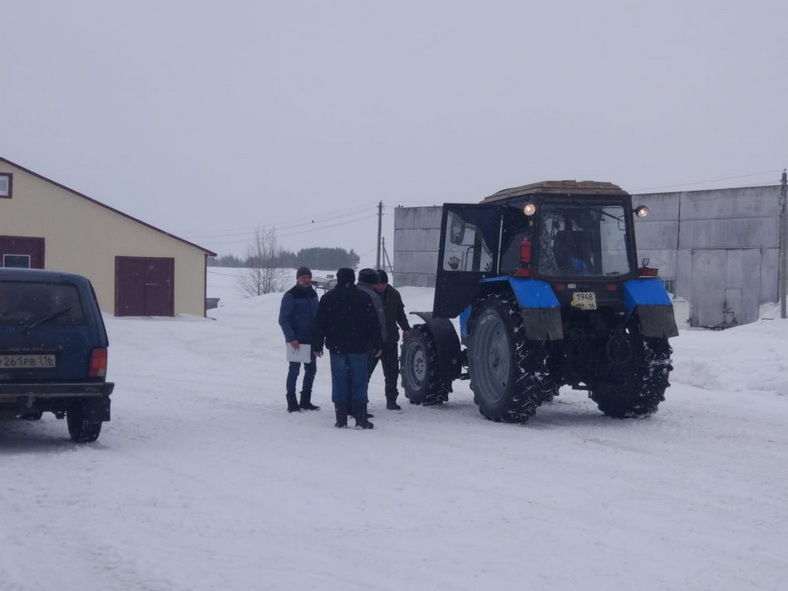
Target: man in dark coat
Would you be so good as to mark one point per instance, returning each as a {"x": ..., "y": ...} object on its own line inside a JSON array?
[
  {"x": 395, "y": 318},
  {"x": 297, "y": 318},
  {"x": 347, "y": 324}
]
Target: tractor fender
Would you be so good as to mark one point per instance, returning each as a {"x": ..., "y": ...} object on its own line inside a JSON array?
[
  {"x": 649, "y": 301},
  {"x": 447, "y": 344},
  {"x": 539, "y": 307}
]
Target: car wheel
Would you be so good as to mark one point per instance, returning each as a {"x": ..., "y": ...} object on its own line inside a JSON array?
[{"x": 81, "y": 428}]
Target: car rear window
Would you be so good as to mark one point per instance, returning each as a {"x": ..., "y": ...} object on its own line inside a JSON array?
[{"x": 30, "y": 303}]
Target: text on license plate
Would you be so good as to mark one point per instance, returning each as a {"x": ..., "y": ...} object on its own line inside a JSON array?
[
  {"x": 24, "y": 361},
  {"x": 584, "y": 300}
]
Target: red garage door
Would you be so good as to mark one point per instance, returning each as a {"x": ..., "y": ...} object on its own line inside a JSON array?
[
  {"x": 21, "y": 252},
  {"x": 144, "y": 286}
]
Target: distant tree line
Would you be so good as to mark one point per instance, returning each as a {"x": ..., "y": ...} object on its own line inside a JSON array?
[
  {"x": 314, "y": 258},
  {"x": 265, "y": 261}
]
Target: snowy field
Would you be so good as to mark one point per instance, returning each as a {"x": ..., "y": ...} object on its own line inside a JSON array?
[{"x": 203, "y": 481}]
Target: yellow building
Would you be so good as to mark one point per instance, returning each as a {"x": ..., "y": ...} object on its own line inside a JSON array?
[{"x": 136, "y": 268}]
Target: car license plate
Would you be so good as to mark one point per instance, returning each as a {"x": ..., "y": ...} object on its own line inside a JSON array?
[
  {"x": 584, "y": 300},
  {"x": 26, "y": 361}
]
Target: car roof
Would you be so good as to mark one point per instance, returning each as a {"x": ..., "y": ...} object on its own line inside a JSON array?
[{"x": 13, "y": 274}]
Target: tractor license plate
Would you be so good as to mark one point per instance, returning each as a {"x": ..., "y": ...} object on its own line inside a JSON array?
[
  {"x": 584, "y": 300},
  {"x": 25, "y": 361}
]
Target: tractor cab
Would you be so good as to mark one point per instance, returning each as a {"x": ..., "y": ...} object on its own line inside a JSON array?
[{"x": 560, "y": 232}]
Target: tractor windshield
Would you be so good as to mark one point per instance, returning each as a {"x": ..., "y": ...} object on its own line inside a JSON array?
[{"x": 583, "y": 240}]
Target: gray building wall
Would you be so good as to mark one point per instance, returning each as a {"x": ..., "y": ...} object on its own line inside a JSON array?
[
  {"x": 416, "y": 238},
  {"x": 717, "y": 248}
]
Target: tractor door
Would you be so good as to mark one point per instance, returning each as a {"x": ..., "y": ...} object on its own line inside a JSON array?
[
  {"x": 516, "y": 239},
  {"x": 469, "y": 252}
]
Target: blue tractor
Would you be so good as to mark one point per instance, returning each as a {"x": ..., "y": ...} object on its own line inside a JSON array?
[{"x": 547, "y": 290}]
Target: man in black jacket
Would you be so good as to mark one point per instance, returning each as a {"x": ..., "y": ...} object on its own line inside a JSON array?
[
  {"x": 395, "y": 318},
  {"x": 347, "y": 323}
]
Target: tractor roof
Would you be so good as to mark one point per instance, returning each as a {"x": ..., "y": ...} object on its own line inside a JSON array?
[{"x": 557, "y": 188}]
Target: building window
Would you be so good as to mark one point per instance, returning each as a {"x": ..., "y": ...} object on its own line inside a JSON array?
[
  {"x": 17, "y": 261},
  {"x": 5, "y": 185}
]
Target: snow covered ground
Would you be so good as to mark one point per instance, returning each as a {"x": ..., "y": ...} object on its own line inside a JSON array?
[{"x": 203, "y": 481}]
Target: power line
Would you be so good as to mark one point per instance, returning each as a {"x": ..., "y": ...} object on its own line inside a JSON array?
[
  {"x": 318, "y": 228},
  {"x": 364, "y": 217},
  {"x": 367, "y": 252},
  {"x": 726, "y": 178},
  {"x": 320, "y": 220},
  {"x": 775, "y": 172}
]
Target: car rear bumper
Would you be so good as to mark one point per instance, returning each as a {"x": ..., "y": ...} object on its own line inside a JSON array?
[{"x": 14, "y": 391}]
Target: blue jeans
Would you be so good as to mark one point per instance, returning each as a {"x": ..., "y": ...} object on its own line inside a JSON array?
[
  {"x": 349, "y": 378},
  {"x": 310, "y": 369}
]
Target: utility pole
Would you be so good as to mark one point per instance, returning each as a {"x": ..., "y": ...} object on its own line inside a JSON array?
[
  {"x": 380, "y": 226},
  {"x": 783, "y": 263},
  {"x": 386, "y": 259}
]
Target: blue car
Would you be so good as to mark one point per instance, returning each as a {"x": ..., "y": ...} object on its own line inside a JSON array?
[{"x": 53, "y": 350}]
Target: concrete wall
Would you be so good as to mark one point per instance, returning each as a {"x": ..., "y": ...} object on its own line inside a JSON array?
[
  {"x": 720, "y": 247},
  {"x": 717, "y": 248},
  {"x": 84, "y": 237},
  {"x": 416, "y": 239}
]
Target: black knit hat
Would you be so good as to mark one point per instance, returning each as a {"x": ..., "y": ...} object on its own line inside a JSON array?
[
  {"x": 303, "y": 271},
  {"x": 368, "y": 276},
  {"x": 346, "y": 276},
  {"x": 383, "y": 277}
]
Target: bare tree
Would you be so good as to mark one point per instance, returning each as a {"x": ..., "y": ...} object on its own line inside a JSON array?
[{"x": 262, "y": 276}]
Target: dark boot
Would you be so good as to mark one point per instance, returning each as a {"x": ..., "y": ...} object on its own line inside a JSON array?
[
  {"x": 362, "y": 422},
  {"x": 341, "y": 412},
  {"x": 350, "y": 412},
  {"x": 292, "y": 403},
  {"x": 391, "y": 402},
  {"x": 306, "y": 401}
]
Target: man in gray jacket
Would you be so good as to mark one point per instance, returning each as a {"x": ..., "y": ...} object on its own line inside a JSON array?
[
  {"x": 367, "y": 278},
  {"x": 395, "y": 319}
]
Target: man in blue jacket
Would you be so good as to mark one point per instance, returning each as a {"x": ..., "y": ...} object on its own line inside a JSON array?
[{"x": 297, "y": 319}]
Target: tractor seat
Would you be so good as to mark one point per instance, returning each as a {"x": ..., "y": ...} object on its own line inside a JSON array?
[{"x": 570, "y": 249}]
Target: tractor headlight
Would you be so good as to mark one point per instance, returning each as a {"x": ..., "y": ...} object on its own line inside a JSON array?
[
  {"x": 641, "y": 211},
  {"x": 529, "y": 209}
]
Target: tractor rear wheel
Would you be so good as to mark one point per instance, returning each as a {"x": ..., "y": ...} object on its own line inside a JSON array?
[
  {"x": 636, "y": 389},
  {"x": 419, "y": 369},
  {"x": 509, "y": 374}
]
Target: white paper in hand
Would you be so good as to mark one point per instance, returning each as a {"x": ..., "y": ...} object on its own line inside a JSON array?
[{"x": 301, "y": 355}]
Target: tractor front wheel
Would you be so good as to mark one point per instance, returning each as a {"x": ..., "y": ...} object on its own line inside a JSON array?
[
  {"x": 419, "y": 369},
  {"x": 509, "y": 375}
]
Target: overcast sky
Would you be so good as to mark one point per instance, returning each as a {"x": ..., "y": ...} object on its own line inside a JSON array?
[{"x": 209, "y": 119}]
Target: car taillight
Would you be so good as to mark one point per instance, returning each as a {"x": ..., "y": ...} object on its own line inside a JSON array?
[
  {"x": 648, "y": 271},
  {"x": 525, "y": 250},
  {"x": 98, "y": 363}
]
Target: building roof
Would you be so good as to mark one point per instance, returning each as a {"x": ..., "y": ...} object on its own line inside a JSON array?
[
  {"x": 99, "y": 203},
  {"x": 557, "y": 188}
]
